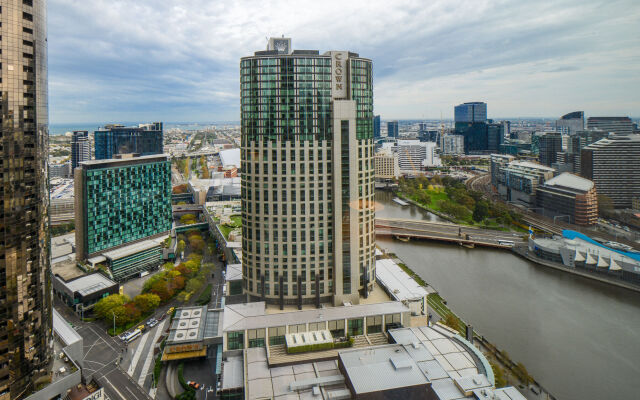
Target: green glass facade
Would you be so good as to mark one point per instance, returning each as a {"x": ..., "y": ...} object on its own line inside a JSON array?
[
  {"x": 125, "y": 202},
  {"x": 289, "y": 97}
]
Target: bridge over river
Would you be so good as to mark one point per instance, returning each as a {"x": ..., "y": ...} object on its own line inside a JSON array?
[{"x": 405, "y": 229}]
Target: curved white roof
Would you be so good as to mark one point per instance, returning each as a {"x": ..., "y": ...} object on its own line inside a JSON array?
[{"x": 572, "y": 181}]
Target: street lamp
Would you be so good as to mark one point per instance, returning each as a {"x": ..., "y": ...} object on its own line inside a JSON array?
[{"x": 114, "y": 322}]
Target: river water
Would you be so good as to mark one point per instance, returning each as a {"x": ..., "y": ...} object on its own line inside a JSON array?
[{"x": 579, "y": 338}]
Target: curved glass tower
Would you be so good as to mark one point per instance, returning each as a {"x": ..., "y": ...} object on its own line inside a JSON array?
[
  {"x": 25, "y": 289},
  {"x": 307, "y": 175}
]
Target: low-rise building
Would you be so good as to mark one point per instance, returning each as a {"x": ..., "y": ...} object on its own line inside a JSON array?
[
  {"x": 401, "y": 287},
  {"x": 83, "y": 292},
  {"x": 518, "y": 181},
  {"x": 192, "y": 330},
  {"x": 68, "y": 353},
  {"x": 575, "y": 250},
  {"x": 569, "y": 198},
  {"x": 424, "y": 362}
]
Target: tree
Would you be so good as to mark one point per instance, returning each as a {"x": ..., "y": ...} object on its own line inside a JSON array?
[
  {"x": 498, "y": 373},
  {"x": 103, "y": 308},
  {"x": 188, "y": 219},
  {"x": 132, "y": 313},
  {"x": 146, "y": 302},
  {"x": 181, "y": 246},
  {"x": 480, "y": 211},
  {"x": 605, "y": 205},
  {"x": 162, "y": 290},
  {"x": 121, "y": 315}
]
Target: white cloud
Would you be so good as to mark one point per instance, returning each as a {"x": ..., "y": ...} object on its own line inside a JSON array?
[{"x": 179, "y": 59}]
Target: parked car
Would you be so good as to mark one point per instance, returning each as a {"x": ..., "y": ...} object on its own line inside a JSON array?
[
  {"x": 170, "y": 310},
  {"x": 153, "y": 323},
  {"x": 162, "y": 317},
  {"x": 194, "y": 385}
]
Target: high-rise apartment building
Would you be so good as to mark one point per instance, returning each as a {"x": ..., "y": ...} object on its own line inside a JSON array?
[
  {"x": 80, "y": 148},
  {"x": 620, "y": 125},
  {"x": 549, "y": 145},
  {"x": 613, "y": 164},
  {"x": 453, "y": 144},
  {"x": 25, "y": 290},
  {"x": 570, "y": 123},
  {"x": 119, "y": 202},
  {"x": 144, "y": 139},
  {"x": 471, "y": 112},
  {"x": 308, "y": 175},
  {"x": 376, "y": 127},
  {"x": 392, "y": 129}
]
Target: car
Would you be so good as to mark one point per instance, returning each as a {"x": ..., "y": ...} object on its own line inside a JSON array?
[
  {"x": 194, "y": 385},
  {"x": 162, "y": 317},
  {"x": 153, "y": 323},
  {"x": 150, "y": 321},
  {"x": 170, "y": 310}
]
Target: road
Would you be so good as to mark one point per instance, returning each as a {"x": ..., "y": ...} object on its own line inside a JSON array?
[
  {"x": 444, "y": 231},
  {"x": 101, "y": 359}
]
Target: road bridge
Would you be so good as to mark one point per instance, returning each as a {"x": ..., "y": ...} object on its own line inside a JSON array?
[{"x": 404, "y": 229}]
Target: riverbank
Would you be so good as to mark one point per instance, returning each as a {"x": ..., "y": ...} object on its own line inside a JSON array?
[
  {"x": 506, "y": 371},
  {"x": 576, "y": 336},
  {"x": 526, "y": 254}
]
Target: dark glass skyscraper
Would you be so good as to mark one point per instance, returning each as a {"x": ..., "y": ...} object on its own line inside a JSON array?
[
  {"x": 307, "y": 175},
  {"x": 145, "y": 140},
  {"x": 392, "y": 129},
  {"x": 376, "y": 127},
  {"x": 25, "y": 290}
]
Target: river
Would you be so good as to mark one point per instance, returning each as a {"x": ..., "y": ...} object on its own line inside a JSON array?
[{"x": 579, "y": 338}]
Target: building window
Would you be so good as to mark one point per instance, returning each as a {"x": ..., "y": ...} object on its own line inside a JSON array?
[{"x": 235, "y": 340}]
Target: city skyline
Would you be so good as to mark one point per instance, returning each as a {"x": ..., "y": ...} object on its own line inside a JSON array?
[{"x": 159, "y": 63}]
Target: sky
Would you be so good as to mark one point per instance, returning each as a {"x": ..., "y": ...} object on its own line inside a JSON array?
[{"x": 178, "y": 60}]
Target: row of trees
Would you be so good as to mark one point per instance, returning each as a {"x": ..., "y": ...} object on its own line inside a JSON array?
[
  {"x": 124, "y": 309},
  {"x": 183, "y": 280}
]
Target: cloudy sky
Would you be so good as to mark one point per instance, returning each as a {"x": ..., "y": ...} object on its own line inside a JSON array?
[{"x": 178, "y": 60}]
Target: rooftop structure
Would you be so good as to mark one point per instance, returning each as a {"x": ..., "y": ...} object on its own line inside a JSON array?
[
  {"x": 215, "y": 189},
  {"x": 423, "y": 363},
  {"x": 230, "y": 158},
  {"x": 191, "y": 331},
  {"x": 83, "y": 292},
  {"x": 401, "y": 286}
]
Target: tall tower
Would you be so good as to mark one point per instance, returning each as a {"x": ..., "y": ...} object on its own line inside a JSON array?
[
  {"x": 307, "y": 175},
  {"x": 25, "y": 289},
  {"x": 80, "y": 148}
]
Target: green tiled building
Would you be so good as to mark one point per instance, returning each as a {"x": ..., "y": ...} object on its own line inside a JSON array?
[{"x": 120, "y": 202}]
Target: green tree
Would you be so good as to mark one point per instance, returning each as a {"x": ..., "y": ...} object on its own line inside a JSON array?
[
  {"x": 121, "y": 314},
  {"x": 181, "y": 246},
  {"x": 498, "y": 373},
  {"x": 146, "y": 302},
  {"x": 480, "y": 211},
  {"x": 103, "y": 308}
]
